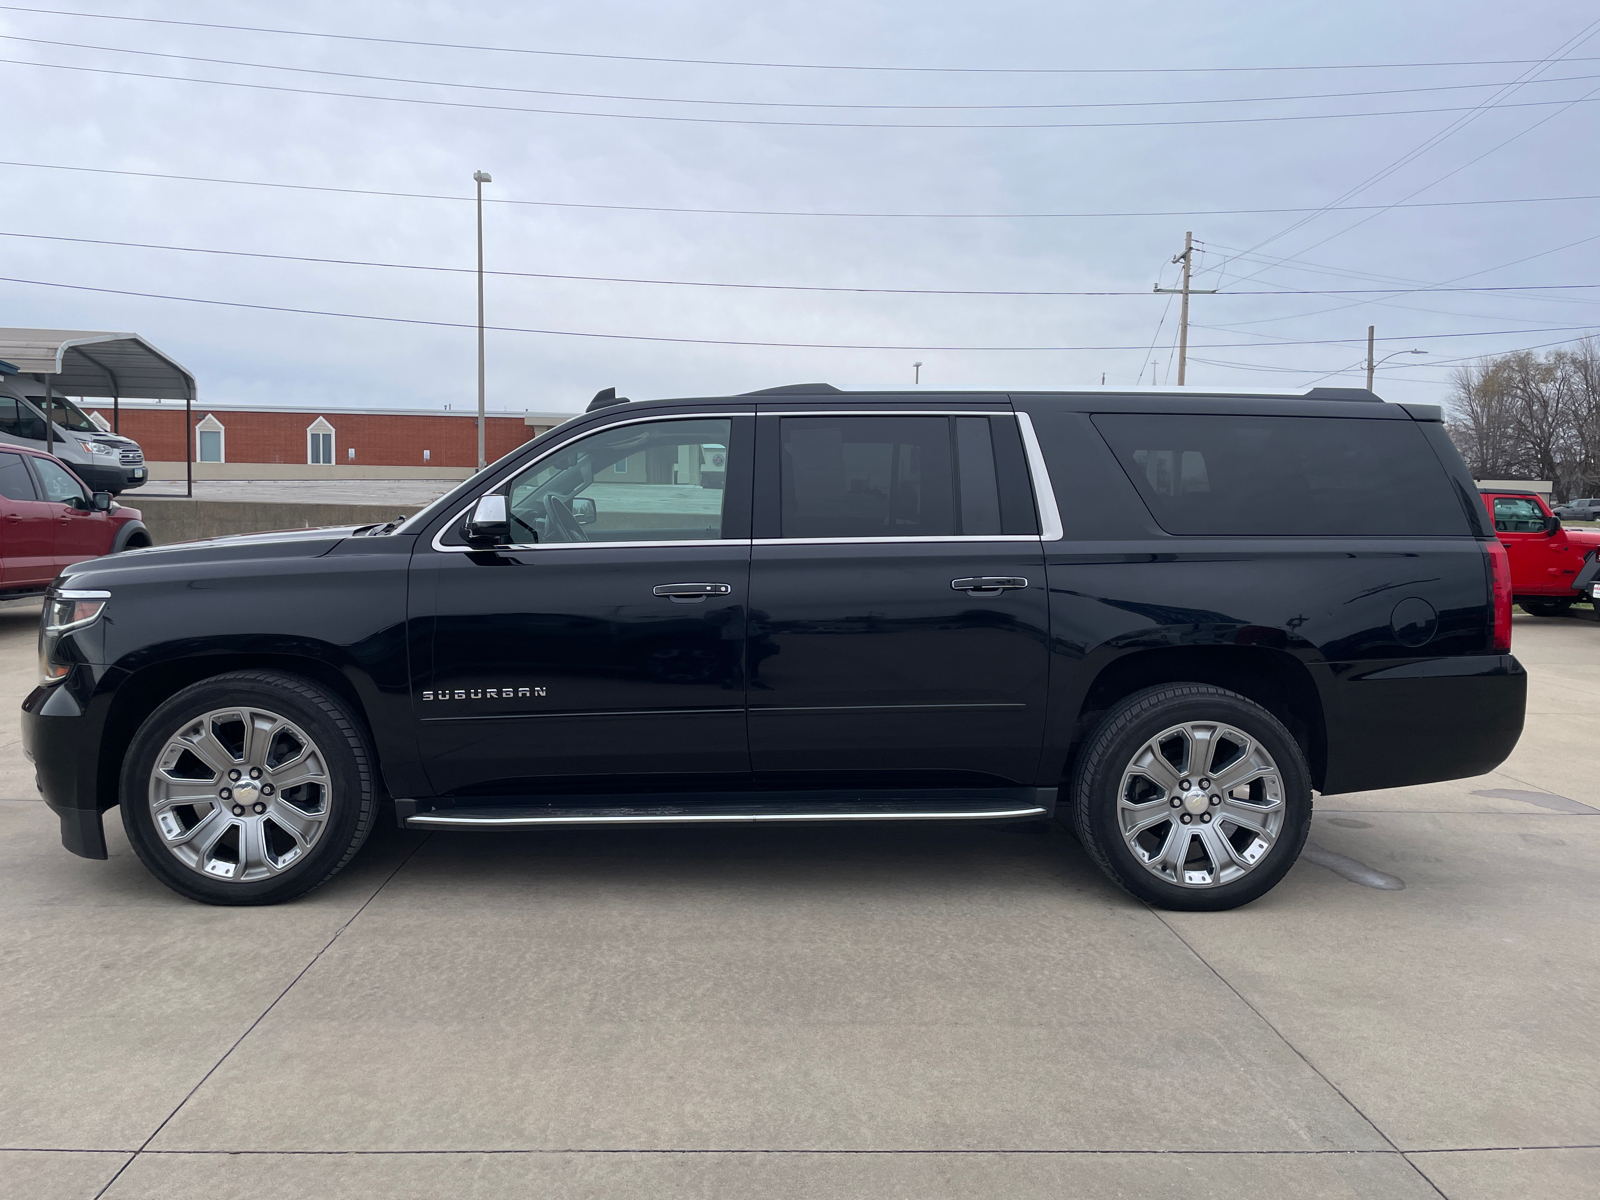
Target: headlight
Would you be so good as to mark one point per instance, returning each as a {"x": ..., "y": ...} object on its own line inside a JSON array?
[
  {"x": 97, "y": 447},
  {"x": 63, "y": 612}
]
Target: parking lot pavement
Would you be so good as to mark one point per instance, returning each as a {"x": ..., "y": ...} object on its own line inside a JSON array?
[{"x": 753, "y": 1012}]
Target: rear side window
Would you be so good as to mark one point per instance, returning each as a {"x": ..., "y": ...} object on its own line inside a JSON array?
[
  {"x": 1285, "y": 476},
  {"x": 15, "y": 482},
  {"x": 888, "y": 476}
]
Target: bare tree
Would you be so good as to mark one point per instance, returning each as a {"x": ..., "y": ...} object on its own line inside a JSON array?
[{"x": 1528, "y": 416}]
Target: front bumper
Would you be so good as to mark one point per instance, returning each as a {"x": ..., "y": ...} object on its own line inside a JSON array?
[
  {"x": 61, "y": 729},
  {"x": 111, "y": 477}
]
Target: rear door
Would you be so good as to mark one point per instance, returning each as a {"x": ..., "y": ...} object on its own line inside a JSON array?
[
  {"x": 27, "y": 527},
  {"x": 80, "y": 532},
  {"x": 898, "y": 609}
]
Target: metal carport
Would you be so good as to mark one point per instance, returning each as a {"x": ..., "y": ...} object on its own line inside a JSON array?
[{"x": 81, "y": 362}]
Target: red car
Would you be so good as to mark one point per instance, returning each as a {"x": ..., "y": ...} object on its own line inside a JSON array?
[
  {"x": 49, "y": 520},
  {"x": 1546, "y": 559}
]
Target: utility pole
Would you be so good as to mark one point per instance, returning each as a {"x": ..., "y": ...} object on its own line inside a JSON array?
[
  {"x": 1371, "y": 366},
  {"x": 480, "y": 178},
  {"x": 1187, "y": 259}
]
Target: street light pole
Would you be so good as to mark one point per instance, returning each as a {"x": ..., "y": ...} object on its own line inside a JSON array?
[
  {"x": 916, "y": 372},
  {"x": 1371, "y": 366},
  {"x": 480, "y": 178}
]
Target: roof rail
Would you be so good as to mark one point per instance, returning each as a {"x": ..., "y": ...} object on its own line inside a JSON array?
[{"x": 798, "y": 389}]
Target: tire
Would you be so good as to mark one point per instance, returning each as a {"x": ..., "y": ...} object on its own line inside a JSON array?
[
  {"x": 1540, "y": 607},
  {"x": 252, "y": 787},
  {"x": 1131, "y": 787}
]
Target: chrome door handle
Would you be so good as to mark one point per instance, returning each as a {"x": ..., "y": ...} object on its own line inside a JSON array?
[
  {"x": 692, "y": 591},
  {"x": 988, "y": 585}
]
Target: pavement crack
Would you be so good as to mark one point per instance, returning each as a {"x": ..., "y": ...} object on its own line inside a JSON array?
[
  {"x": 189, "y": 1095},
  {"x": 1295, "y": 1050}
]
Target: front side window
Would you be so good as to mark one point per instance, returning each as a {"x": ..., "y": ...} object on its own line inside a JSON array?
[
  {"x": 60, "y": 485},
  {"x": 656, "y": 481},
  {"x": 1517, "y": 514},
  {"x": 888, "y": 476}
]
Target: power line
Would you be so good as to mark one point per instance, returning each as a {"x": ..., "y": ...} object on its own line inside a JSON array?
[
  {"x": 489, "y": 87},
  {"x": 765, "y": 287},
  {"x": 709, "y": 62},
  {"x": 637, "y": 337},
  {"x": 769, "y": 212},
  {"x": 764, "y": 123},
  {"x": 1493, "y": 102}
]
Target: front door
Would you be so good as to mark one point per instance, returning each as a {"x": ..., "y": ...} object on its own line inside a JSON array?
[
  {"x": 1539, "y": 560},
  {"x": 898, "y": 604},
  {"x": 603, "y": 650},
  {"x": 27, "y": 527},
  {"x": 80, "y": 531}
]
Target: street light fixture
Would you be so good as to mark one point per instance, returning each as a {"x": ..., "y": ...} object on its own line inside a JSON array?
[
  {"x": 480, "y": 178},
  {"x": 1373, "y": 366},
  {"x": 916, "y": 372}
]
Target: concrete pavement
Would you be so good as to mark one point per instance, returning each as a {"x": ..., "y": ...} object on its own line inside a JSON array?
[{"x": 836, "y": 1013}]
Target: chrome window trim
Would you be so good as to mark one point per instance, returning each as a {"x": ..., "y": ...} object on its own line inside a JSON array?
[
  {"x": 1044, "y": 495},
  {"x": 879, "y": 541},
  {"x": 77, "y": 594},
  {"x": 531, "y": 463},
  {"x": 1049, "y": 517},
  {"x": 892, "y": 412}
]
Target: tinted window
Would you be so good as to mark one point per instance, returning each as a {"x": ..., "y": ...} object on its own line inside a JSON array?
[
  {"x": 1331, "y": 476},
  {"x": 1517, "y": 514},
  {"x": 652, "y": 482},
  {"x": 15, "y": 482},
  {"x": 19, "y": 420},
  {"x": 60, "y": 485},
  {"x": 871, "y": 476}
]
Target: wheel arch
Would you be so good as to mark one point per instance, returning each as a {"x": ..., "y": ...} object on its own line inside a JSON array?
[
  {"x": 134, "y": 532},
  {"x": 1277, "y": 681},
  {"x": 148, "y": 687}
]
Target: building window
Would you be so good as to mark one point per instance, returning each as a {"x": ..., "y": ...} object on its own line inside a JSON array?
[
  {"x": 319, "y": 442},
  {"x": 209, "y": 435}
]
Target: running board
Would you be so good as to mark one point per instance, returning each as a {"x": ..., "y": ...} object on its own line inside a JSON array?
[{"x": 522, "y": 816}]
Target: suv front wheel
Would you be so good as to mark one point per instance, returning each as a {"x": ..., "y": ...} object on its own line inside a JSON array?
[
  {"x": 248, "y": 788},
  {"x": 1191, "y": 797}
]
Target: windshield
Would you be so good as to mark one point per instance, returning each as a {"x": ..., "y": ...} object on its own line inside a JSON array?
[{"x": 68, "y": 415}]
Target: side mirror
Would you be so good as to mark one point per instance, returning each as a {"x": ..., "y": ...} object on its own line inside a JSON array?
[
  {"x": 489, "y": 525},
  {"x": 81, "y": 503},
  {"x": 1552, "y": 527},
  {"x": 101, "y": 501},
  {"x": 584, "y": 511}
]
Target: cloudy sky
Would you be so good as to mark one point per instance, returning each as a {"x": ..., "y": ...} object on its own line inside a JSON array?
[{"x": 1002, "y": 147}]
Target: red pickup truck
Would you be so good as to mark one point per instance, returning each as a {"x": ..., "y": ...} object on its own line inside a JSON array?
[{"x": 1548, "y": 561}]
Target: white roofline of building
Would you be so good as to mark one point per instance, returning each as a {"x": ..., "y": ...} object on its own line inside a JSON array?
[{"x": 553, "y": 418}]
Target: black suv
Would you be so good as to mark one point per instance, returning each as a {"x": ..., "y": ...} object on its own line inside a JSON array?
[{"x": 1162, "y": 619}]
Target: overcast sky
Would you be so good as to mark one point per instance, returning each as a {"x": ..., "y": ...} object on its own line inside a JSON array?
[{"x": 782, "y": 148}]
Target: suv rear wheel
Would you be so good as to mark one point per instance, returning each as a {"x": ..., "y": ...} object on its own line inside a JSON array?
[
  {"x": 248, "y": 788},
  {"x": 1191, "y": 797}
]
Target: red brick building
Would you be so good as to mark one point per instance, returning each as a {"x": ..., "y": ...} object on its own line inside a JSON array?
[{"x": 333, "y": 438}]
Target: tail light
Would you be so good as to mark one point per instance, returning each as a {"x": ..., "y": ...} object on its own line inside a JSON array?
[{"x": 1500, "y": 588}]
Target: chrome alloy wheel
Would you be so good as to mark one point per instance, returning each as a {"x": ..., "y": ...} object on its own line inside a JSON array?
[
  {"x": 239, "y": 794},
  {"x": 1201, "y": 804}
]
